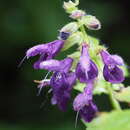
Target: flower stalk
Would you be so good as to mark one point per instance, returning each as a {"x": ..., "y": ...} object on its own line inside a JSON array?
[
  {"x": 85, "y": 36},
  {"x": 114, "y": 102}
]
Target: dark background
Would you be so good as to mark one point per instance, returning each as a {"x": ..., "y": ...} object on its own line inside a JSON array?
[{"x": 25, "y": 23}]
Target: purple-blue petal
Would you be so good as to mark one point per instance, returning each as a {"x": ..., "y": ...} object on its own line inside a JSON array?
[
  {"x": 55, "y": 65},
  {"x": 118, "y": 60},
  {"x": 88, "y": 112},
  {"x": 109, "y": 59},
  {"x": 84, "y": 105},
  {"x": 113, "y": 74},
  {"x": 62, "y": 86},
  {"x": 86, "y": 75},
  {"x": 71, "y": 79},
  {"x": 43, "y": 57},
  {"x": 38, "y": 49},
  {"x": 50, "y": 50},
  {"x": 80, "y": 101},
  {"x": 80, "y": 74},
  {"x": 83, "y": 98}
]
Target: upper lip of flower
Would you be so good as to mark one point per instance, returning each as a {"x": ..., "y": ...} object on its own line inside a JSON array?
[
  {"x": 55, "y": 65},
  {"x": 111, "y": 59},
  {"x": 51, "y": 48}
]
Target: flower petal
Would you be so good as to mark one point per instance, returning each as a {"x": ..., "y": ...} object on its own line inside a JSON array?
[
  {"x": 62, "y": 87},
  {"x": 111, "y": 59},
  {"x": 80, "y": 101},
  {"x": 84, "y": 98},
  {"x": 55, "y": 65},
  {"x": 106, "y": 57},
  {"x": 88, "y": 112},
  {"x": 113, "y": 74},
  {"x": 87, "y": 75},
  {"x": 85, "y": 59},
  {"x": 71, "y": 78},
  {"x": 118, "y": 60},
  {"x": 43, "y": 57},
  {"x": 80, "y": 74},
  {"x": 86, "y": 69},
  {"x": 51, "y": 49}
]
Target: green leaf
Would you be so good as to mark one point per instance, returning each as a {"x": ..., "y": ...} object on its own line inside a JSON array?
[
  {"x": 116, "y": 120},
  {"x": 123, "y": 95}
]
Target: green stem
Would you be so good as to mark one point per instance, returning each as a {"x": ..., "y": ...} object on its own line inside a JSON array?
[
  {"x": 85, "y": 35},
  {"x": 114, "y": 102}
]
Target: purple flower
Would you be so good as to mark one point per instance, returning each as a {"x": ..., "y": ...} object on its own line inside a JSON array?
[
  {"x": 55, "y": 65},
  {"x": 86, "y": 69},
  {"x": 84, "y": 105},
  {"x": 46, "y": 51},
  {"x": 112, "y": 73},
  {"x": 61, "y": 81},
  {"x": 62, "y": 84}
]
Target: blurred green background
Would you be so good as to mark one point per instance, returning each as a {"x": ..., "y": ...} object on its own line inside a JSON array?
[{"x": 25, "y": 23}]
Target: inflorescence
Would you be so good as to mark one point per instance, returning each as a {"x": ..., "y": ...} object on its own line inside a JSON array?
[{"x": 89, "y": 65}]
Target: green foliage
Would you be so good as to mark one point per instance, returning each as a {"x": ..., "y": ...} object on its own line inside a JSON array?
[
  {"x": 72, "y": 40},
  {"x": 116, "y": 120},
  {"x": 123, "y": 95},
  {"x": 79, "y": 86},
  {"x": 100, "y": 87}
]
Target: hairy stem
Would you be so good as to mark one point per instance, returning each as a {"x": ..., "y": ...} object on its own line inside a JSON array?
[
  {"x": 114, "y": 102},
  {"x": 85, "y": 35}
]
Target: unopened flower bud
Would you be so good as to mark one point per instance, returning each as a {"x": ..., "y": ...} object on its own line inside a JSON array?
[
  {"x": 64, "y": 35},
  {"x": 76, "y": 14},
  {"x": 91, "y": 22},
  {"x": 70, "y": 6},
  {"x": 70, "y": 28}
]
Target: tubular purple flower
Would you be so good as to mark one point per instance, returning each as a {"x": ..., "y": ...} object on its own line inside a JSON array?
[
  {"x": 62, "y": 84},
  {"x": 55, "y": 65},
  {"x": 84, "y": 105},
  {"x": 86, "y": 69},
  {"x": 111, "y": 72},
  {"x": 61, "y": 81},
  {"x": 46, "y": 51}
]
